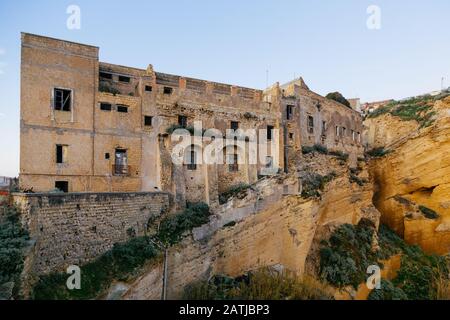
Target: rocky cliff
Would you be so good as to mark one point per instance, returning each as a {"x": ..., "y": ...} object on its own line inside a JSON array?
[{"x": 412, "y": 180}]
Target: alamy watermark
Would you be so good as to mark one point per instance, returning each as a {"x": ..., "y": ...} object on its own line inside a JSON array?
[
  {"x": 374, "y": 20},
  {"x": 74, "y": 20}
]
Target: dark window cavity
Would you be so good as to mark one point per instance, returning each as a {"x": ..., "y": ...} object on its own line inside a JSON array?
[
  {"x": 148, "y": 121},
  {"x": 106, "y": 75},
  {"x": 182, "y": 121},
  {"x": 122, "y": 108},
  {"x": 62, "y": 186},
  {"x": 124, "y": 79},
  {"x": 168, "y": 90},
  {"x": 148, "y": 88},
  {"x": 105, "y": 106},
  {"x": 62, "y": 99},
  {"x": 269, "y": 132}
]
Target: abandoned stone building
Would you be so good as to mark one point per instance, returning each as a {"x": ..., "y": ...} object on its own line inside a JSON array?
[{"x": 90, "y": 126}]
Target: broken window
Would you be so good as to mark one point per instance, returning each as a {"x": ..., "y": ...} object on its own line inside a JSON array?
[
  {"x": 106, "y": 75},
  {"x": 182, "y": 121},
  {"x": 122, "y": 108},
  {"x": 269, "y": 132},
  {"x": 148, "y": 88},
  {"x": 61, "y": 153},
  {"x": 310, "y": 124},
  {"x": 234, "y": 125},
  {"x": 62, "y": 186},
  {"x": 167, "y": 90},
  {"x": 343, "y": 131},
  {"x": 62, "y": 99},
  {"x": 124, "y": 79},
  {"x": 105, "y": 106},
  {"x": 291, "y": 136},
  {"x": 289, "y": 112},
  {"x": 107, "y": 156},
  {"x": 148, "y": 121},
  {"x": 324, "y": 127},
  {"x": 359, "y": 136},
  {"x": 121, "y": 162}
]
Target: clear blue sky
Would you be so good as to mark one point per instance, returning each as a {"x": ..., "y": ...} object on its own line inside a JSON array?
[{"x": 325, "y": 41}]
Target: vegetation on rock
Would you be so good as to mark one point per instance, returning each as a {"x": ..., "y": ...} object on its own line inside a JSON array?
[
  {"x": 428, "y": 213},
  {"x": 349, "y": 251},
  {"x": 233, "y": 191},
  {"x": 377, "y": 152},
  {"x": 314, "y": 183}
]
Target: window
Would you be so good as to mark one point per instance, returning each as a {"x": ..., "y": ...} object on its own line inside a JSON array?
[
  {"x": 105, "y": 106},
  {"x": 324, "y": 127},
  {"x": 192, "y": 161},
  {"x": 106, "y": 75},
  {"x": 291, "y": 136},
  {"x": 148, "y": 88},
  {"x": 310, "y": 124},
  {"x": 337, "y": 131},
  {"x": 269, "y": 132},
  {"x": 121, "y": 162},
  {"x": 343, "y": 131},
  {"x": 289, "y": 112},
  {"x": 62, "y": 186},
  {"x": 167, "y": 90},
  {"x": 148, "y": 121},
  {"x": 233, "y": 165},
  {"x": 124, "y": 79},
  {"x": 61, "y": 153},
  {"x": 107, "y": 156},
  {"x": 359, "y": 136},
  {"x": 182, "y": 121},
  {"x": 234, "y": 125},
  {"x": 62, "y": 99},
  {"x": 353, "y": 135},
  {"x": 122, "y": 108}
]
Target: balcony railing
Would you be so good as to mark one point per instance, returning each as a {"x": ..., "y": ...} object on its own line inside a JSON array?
[{"x": 120, "y": 170}]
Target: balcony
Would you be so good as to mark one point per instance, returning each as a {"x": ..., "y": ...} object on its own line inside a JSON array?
[{"x": 120, "y": 170}]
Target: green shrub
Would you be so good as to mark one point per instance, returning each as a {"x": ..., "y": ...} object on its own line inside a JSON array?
[
  {"x": 105, "y": 87},
  {"x": 313, "y": 183},
  {"x": 339, "y": 155},
  {"x": 428, "y": 213},
  {"x": 338, "y": 97},
  {"x": 263, "y": 284},
  {"x": 344, "y": 258},
  {"x": 387, "y": 292},
  {"x": 119, "y": 263},
  {"x": 316, "y": 148},
  {"x": 172, "y": 228},
  {"x": 377, "y": 152},
  {"x": 13, "y": 242},
  {"x": 233, "y": 191},
  {"x": 355, "y": 179}
]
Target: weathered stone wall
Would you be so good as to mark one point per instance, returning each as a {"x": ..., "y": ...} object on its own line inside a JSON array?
[{"x": 75, "y": 228}]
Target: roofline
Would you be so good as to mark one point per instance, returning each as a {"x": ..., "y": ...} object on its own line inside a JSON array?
[{"x": 57, "y": 39}]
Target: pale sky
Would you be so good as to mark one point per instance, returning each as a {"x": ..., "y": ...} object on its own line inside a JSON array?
[{"x": 327, "y": 42}]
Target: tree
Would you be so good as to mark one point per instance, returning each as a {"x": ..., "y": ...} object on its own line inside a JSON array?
[{"x": 338, "y": 97}]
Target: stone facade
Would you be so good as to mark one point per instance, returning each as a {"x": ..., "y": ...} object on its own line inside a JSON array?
[
  {"x": 76, "y": 228},
  {"x": 90, "y": 126}
]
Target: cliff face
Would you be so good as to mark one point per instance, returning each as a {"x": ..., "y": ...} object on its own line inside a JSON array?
[
  {"x": 414, "y": 177},
  {"x": 271, "y": 225}
]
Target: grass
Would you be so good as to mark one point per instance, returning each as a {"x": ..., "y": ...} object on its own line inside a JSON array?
[
  {"x": 314, "y": 183},
  {"x": 123, "y": 261},
  {"x": 339, "y": 155},
  {"x": 233, "y": 191},
  {"x": 353, "y": 178},
  {"x": 417, "y": 108},
  {"x": 105, "y": 87},
  {"x": 263, "y": 284},
  {"x": 429, "y": 213},
  {"x": 13, "y": 242}
]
